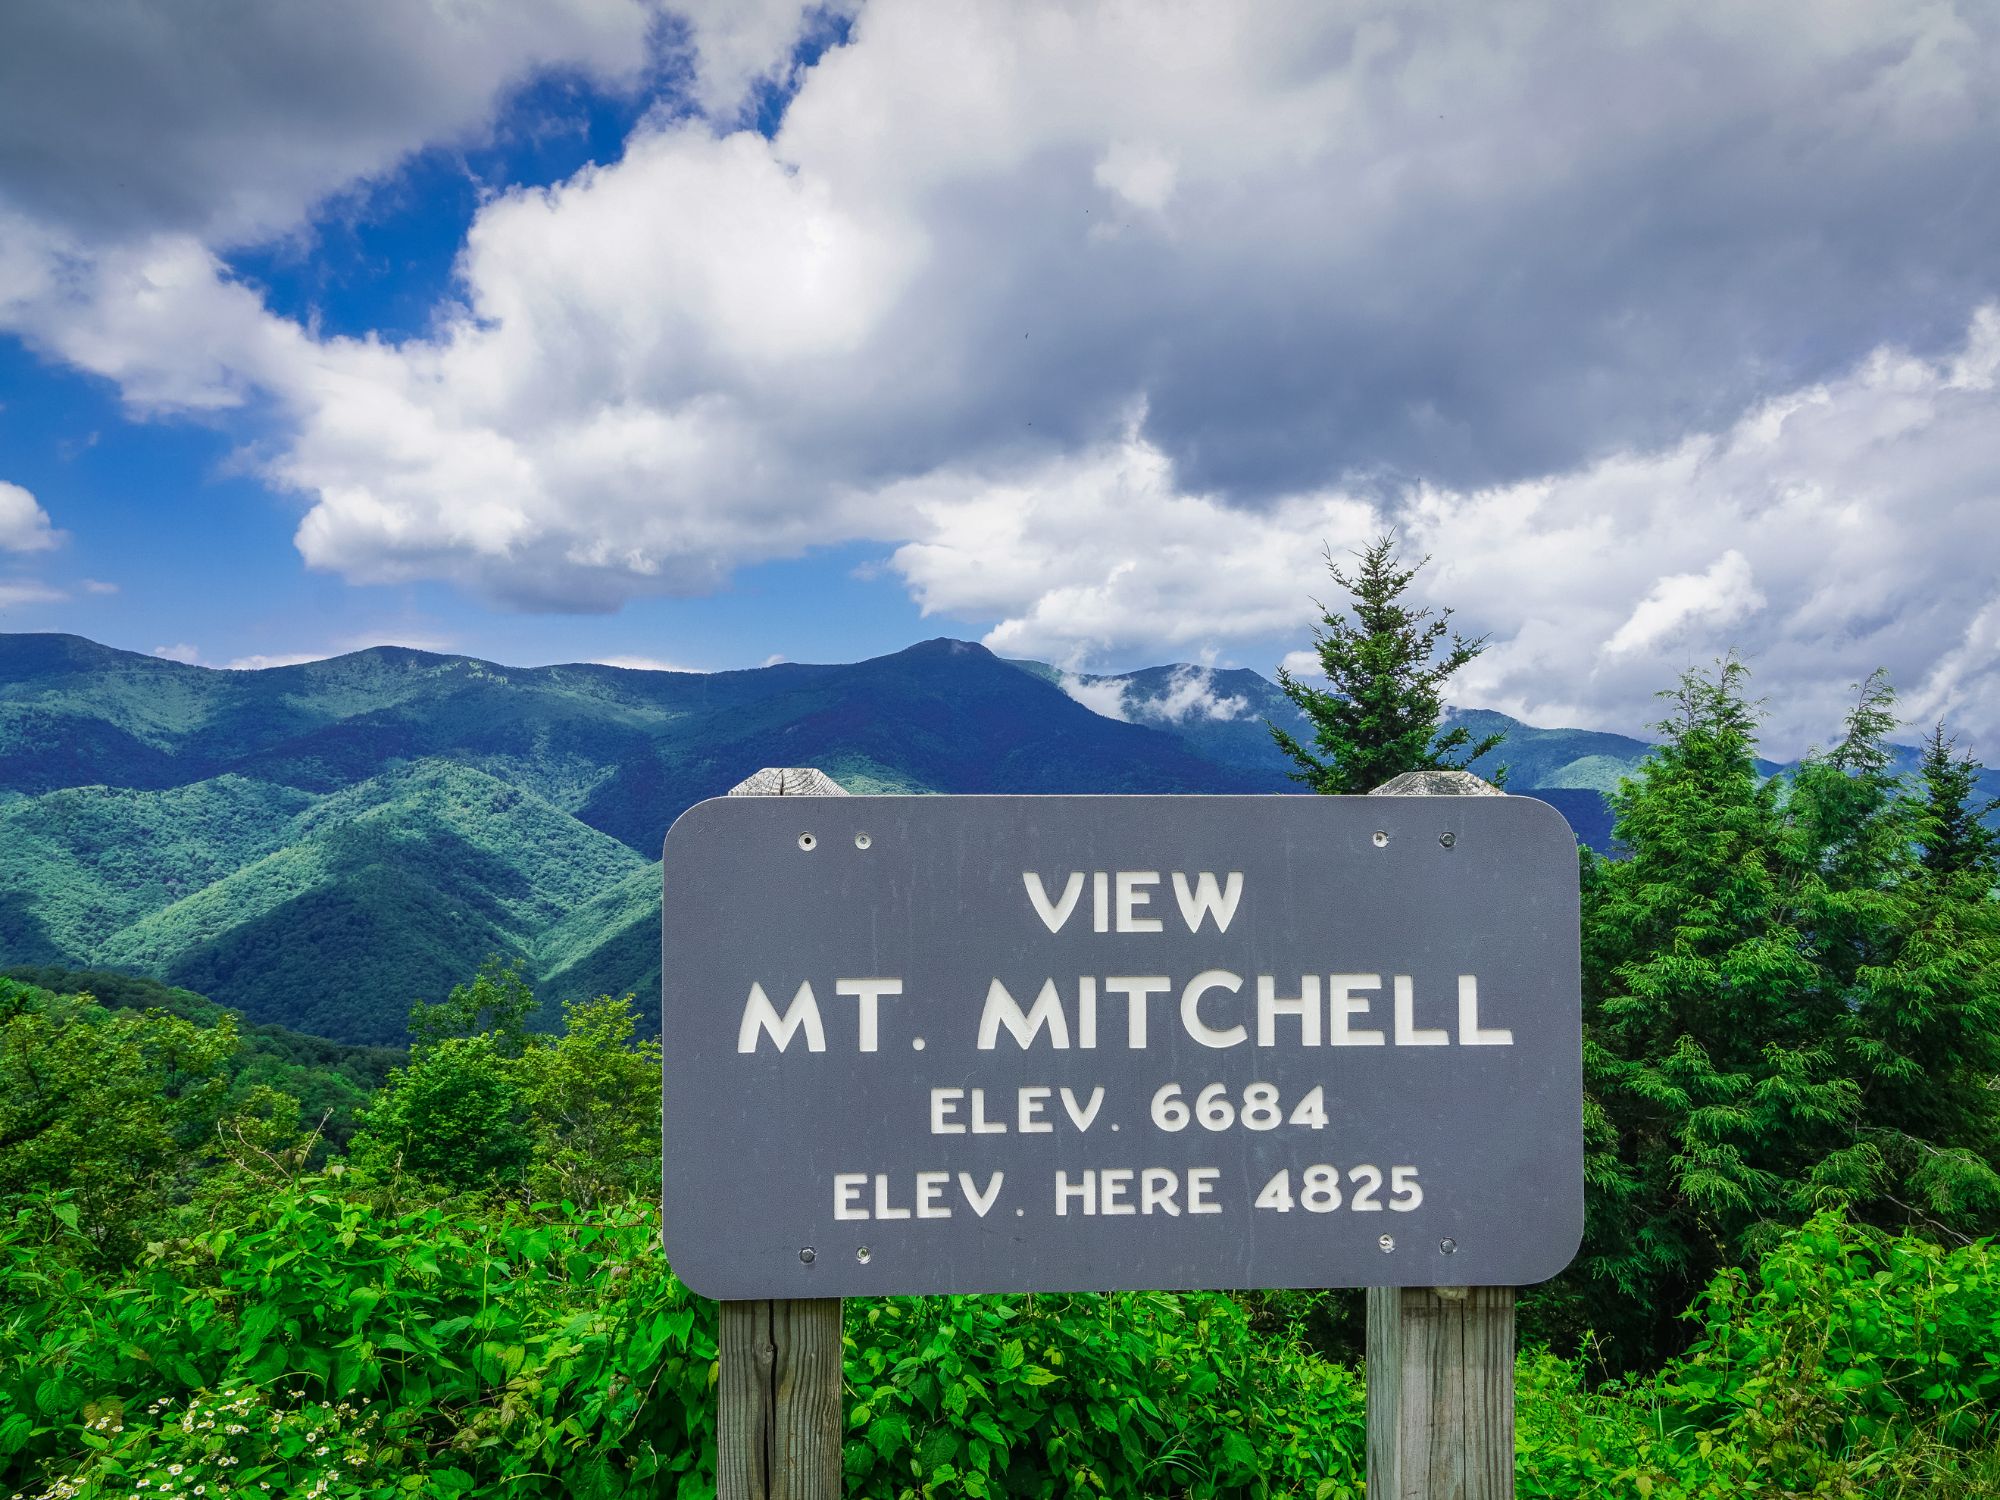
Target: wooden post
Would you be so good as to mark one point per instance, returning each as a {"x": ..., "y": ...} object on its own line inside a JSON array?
[
  {"x": 1440, "y": 1360},
  {"x": 778, "y": 1420}
]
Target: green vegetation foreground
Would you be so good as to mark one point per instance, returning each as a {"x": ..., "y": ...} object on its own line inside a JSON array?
[{"x": 1792, "y": 1015}]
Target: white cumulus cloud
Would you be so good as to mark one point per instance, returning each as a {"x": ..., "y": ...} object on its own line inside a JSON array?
[
  {"x": 1721, "y": 596},
  {"x": 24, "y": 525},
  {"x": 1655, "y": 325}
]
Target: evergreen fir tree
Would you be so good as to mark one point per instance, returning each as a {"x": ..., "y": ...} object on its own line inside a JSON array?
[
  {"x": 1923, "y": 1012},
  {"x": 1950, "y": 830},
  {"x": 1710, "y": 1067},
  {"x": 1378, "y": 717}
]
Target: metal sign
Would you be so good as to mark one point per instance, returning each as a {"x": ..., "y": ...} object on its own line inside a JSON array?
[{"x": 993, "y": 1044}]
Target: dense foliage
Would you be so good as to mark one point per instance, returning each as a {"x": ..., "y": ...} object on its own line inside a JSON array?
[
  {"x": 1791, "y": 1001},
  {"x": 331, "y": 1081},
  {"x": 1789, "y": 1285}
]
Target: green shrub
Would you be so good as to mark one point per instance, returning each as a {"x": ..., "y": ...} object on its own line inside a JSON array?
[
  {"x": 328, "y": 1345},
  {"x": 327, "y": 1341},
  {"x": 1848, "y": 1364},
  {"x": 324, "y": 1346},
  {"x": 1139, "y": 1394}
]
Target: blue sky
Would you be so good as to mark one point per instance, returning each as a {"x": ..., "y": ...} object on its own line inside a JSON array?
[
  {"x": 201, "y": 552},
  {"x": 710, "y": 333}
]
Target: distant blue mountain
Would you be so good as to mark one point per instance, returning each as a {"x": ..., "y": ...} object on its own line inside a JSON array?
[{"x": 319, "y": 845}]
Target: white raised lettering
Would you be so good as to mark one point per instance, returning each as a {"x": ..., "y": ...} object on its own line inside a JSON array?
[
  {"x": 760, "y": 1015},
  {"x": 1408, "y": 1032},
  {"x": 1030, "y": 1103},
  {"x": 1053, "y": 913},
  {"x": 847, "y": 1187},
  {"x": 1081, "y": 1118},
  {"x": 1085, "y": 1192},
  {"x": 944, "y": 1104},
  {"x": 1270, "y": 1006},
  {"x": 1112, "y": 1185},
  {"x": 980, "y": 1124},
  {"x": 1469, "y": 1032},
  {"x": 1002, "y": 1009},
  {"x": 980, "y": 1201},
  {"x": 1131, "y": 898},
  {"x": 882, "y": 1209},
  {"x": 1200, "y": 1183},
  {"x": 1200, "y": 1030},
  {"x": 930, "y": 1195},
  {"x": 1208, "y": 899},
  {"x": 1137, "y": 990},
  {"x": 1344, "y": 1005},
  {"x": 868, "y": 993}
]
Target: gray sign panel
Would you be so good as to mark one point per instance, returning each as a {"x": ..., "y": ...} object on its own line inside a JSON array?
[{"x": 989, "y": 1044}]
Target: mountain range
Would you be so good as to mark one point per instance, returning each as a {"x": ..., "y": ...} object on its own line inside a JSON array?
[{"x": 319, "y": 845}]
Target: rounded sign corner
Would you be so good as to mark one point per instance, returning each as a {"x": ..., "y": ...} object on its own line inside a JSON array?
[
  {"x": 692, "y": 1273},
  {"x": 1554, "y": 821},
  {"x": 688, "y": 817},
  {"x": 1562, "y": 1262}
]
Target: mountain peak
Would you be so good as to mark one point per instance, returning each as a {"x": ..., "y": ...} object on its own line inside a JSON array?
[{"x": 944, "y": 645}]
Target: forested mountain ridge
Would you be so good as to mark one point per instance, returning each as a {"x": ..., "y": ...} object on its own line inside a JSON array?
[
  {"x": 321, "y": 844},
  {"x": 318, "y": 845}
]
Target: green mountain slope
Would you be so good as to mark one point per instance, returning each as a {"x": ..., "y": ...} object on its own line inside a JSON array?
[
  {"x": 79, "y": 864},
  {"x": 319, "y": 845},
  {"x": 380, "y": 897}
]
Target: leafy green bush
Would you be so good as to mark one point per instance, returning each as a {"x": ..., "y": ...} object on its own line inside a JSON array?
[
  {"x": 486, "y": 1105},
  {"x": 1848, "y": 1364},
  {"x": 327, "y": 1346},
  {"x": 1133, "y": 1395},
  {"x": 331, "y": 1342},
  {"x": 115, "y": 1107}
]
